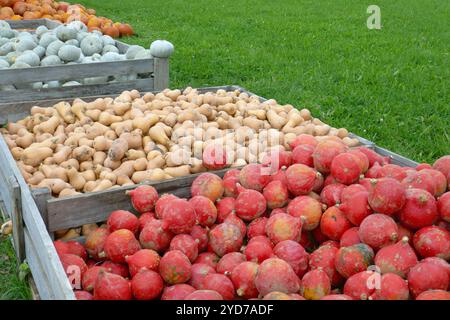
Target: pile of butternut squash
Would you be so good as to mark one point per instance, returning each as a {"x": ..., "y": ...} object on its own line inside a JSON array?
[{"x": 110, "y": 142}]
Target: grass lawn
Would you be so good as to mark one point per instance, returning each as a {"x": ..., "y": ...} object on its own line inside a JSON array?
[
  {"x": 390, "y": 85},
  {"x": 11, "y": 286}
]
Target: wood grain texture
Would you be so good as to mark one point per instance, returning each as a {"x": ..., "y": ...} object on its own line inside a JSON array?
[{"x": 94, "y": 207}]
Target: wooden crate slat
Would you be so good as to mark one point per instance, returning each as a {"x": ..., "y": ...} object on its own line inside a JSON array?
[
  {"x": 66, "y": 92},
  {"x": 71, "y": 212},
  {"x": 33, "y": 24},
  {"x": 37, "y": 230},
  {"x": 75, "y": 71},
  {"x": 48, "y": 286}
]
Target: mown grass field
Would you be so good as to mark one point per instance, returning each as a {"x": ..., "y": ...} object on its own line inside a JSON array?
[{"x": 390, "y": 85}]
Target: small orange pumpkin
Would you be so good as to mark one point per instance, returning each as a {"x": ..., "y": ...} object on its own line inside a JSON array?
[
  {"x": 111, "y": 31},
  {"x": 125, "y": 30}
]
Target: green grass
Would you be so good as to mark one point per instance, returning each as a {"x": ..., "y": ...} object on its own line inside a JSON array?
[
  {"x": 11, "y": 285},
  {"x": 390, "y": 85}
]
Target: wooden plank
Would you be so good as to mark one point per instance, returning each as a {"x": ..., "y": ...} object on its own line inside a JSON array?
[
  {"x": 70, "y": 92},
  {"x": 38, "y": 273},
  {"x": 161, "y": 74},
  {"x": 75, "y": 71},
  {"x": 16, "y": 217},
  {"x": 74, "y": 211},
  {"x": 37, "y": 231},
  {"x": 40, "y": 196},
  {"x": 13, "y": 111}
]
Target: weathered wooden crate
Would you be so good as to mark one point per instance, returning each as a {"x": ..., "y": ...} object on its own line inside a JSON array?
[
  {"x": 38, "y": 214},
  {"x": 31, "y": 25},
  {"x": 156, "y": 68}
]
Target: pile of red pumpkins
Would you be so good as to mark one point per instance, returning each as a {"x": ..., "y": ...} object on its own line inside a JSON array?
[{"x": 329, "y": 223}]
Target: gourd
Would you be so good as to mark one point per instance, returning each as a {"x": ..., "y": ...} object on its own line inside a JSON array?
[
  {"x": 132, "y": 51},
  {"x": 81, "y": 36},
  {"x": 90, "y": 45},
  {"x": 109, "y": 48},
  {"x": 65, "y": 33},
  {"x": 24, "y": 44},
  {"x": 52, "y": 84},
  {"x": 4, "y": 25},
  {"x": 161, "y": 49},
  {"x": 107, "y": 40},
  {"x": 54, "y": 47},
  {"x": 143, "y": 54},
  {"x": 3, "y": 41},
  {"x": 12, "y": 56},
  {"x": 41, "y": 30},
  {"x": 71, "y": 84},
  {"x": 52, "y": 60},
  {"x": 6, "y": 48},
  {"x": 30, "y": 58},
  {"x": 110, "y": 57},
  {"x": 95, "y": 80},
  {"x": 40, "y": 51},
  {"x": 4, "y": 64},
  {"x": 78, "y": 26},
  {"x": 19, "y": 65},
  {"x": 47, "y": 39},
  {"x": 73, "y": 42},
  {"x": 69, "y": 53},
  {"x": 7, "y": 33}
]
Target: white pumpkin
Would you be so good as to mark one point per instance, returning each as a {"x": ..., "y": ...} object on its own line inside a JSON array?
[
  {"x": 161, "y": 49},
  {"x": 81, "y": 36},
  {"x": 65, "y": 33},
  {"x": 54, "y": 47},
  {"x": 78, "y": 26},
  {"x": 20, "y": 65},
  {"x": 69, "y": 53},
  {"x": 29, "y": 57},
  {"x": 71, "y": 84},
  {"x": 53, "y": 84},
  {"x": 90, "y": 45},
  {"x": 133, "y": 51},
  {"x": 53, "y": 60},
  {"x": 3, "y": 41},
  {"x": 24, "y": 44},
  {"x": 12, "y": 56},
  {"x": 109, "y": 48},
  {"x": 46, "y": 39},
  {"x": 6, "y": 48},
  {"x": 41, "y": 30},
  {"x": 7, "y": 33},
  {"x": 111, "y": 57},
  {"x": 4, "y": 25},
  {"x": 107, "y": 40},
  {"x": 40, "y": 51},
  {"x": 143, "y": 54},
  {"x": 73, "y": 42},
  {"x": 4, "y": 64}
]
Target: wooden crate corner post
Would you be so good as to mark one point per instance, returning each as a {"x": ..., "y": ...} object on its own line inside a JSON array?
[{"x": 161, "y": 50}]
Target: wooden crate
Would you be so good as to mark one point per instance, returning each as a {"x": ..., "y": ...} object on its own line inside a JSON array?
[
  {"x": 31, "y": 25},
  {"x": 157, "y": 68},
  {"x": 38, "y": 214}
]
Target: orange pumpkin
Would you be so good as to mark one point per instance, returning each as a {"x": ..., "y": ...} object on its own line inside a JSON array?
[
  {"x": 94, "y": 22},
  {"x": 30, "y": 15},
  {"x": 125, "y": 30},
  {"x": 20, "y": 8},
  {"x": 90, "y": 29},
  {"x": 111, "y": 31},
  {"x": 6, "y": 12},
  {"x": 16, "y": 17}
]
